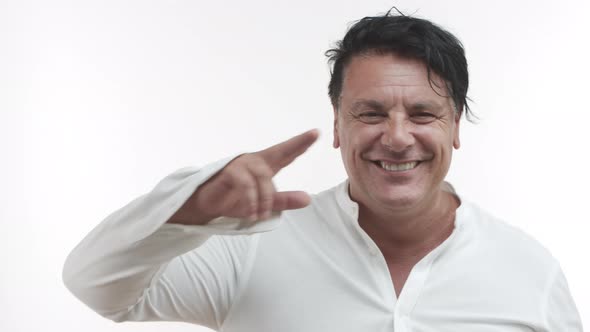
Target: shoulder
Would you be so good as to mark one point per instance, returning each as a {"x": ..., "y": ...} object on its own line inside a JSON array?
[{"x": 501, "y": 241}]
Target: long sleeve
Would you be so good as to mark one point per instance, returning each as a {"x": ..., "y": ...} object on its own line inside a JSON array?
[
  {"x": 134, "y": 266},
  {"x": 560, "y": 311}
]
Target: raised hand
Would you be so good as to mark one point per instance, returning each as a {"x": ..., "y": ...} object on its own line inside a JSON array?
[{"x": 244, "y": 187}]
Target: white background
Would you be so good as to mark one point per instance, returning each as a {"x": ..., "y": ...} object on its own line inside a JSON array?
[{"x": 99, "y": 100}]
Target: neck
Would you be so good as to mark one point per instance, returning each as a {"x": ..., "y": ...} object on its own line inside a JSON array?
[{"x": 408, "y": 235}]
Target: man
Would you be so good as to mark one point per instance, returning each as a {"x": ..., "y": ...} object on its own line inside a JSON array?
[{"x": 393, "y": 248}]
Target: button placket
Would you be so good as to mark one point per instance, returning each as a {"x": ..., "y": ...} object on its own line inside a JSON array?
[
  {"x": 401, "y": 323},
  {"x": 416, "y": 280}
]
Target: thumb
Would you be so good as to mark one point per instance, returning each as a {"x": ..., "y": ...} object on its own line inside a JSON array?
[{"x": 290, "y": 200}]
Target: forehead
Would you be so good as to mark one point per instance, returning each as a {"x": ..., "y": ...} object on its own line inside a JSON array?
[{"x": 390, "y": 74}]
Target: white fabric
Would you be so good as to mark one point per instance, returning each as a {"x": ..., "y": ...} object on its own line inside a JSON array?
[{"x": 312, "y": 269}]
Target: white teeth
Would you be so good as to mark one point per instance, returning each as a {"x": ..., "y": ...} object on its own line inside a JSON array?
[{"x": 398, "y": 167}]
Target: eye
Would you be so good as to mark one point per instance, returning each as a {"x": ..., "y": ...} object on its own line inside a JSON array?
[
  {"x": 372, "y": 117},
  {"x": 424, "y": 114},
  {"x": 372, "y": 114},
  {"x": 423, "y": 117}
]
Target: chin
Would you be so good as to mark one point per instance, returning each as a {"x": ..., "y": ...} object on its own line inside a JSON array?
[
  {"x": 398, "y": 197},
  {"x": 399, "y": 201}
]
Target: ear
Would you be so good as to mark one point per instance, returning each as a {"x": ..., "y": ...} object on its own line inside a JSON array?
[
  {"x": 336, "y": 142},
  {"x": 456, "y": 141}
]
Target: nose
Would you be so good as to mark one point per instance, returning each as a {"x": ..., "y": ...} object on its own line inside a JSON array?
[{"x": 397, "y": 135}]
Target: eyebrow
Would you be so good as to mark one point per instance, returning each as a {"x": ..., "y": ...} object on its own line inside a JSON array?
[
  {"x": 421, "y": 105},
  {"x": 370, "y": 103},
  {"x": 375, "y": 105}
]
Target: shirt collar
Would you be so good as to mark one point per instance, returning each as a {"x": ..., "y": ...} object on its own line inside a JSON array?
[{"x": 352, "y": 208}]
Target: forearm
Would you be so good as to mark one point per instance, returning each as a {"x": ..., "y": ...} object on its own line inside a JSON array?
[
  {"x": 116, "y": 262},
  {"x": 114, "y": 265},
  {"x": 112, "y": 281}
]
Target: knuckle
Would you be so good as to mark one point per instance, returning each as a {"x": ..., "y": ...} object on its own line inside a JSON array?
[
  {"x": 265, "y": 204},
  {"x": 266, "y": 198},
  {"x": 243, "y": 157},
  {"x": 235, "y": 179},
  {"x": 225, "y": 181},
  {"x": 247, "y": 183},
  {"x": 266, "y": 195},
  {"x": 248, "y": 159},
  {"x": 251, "y": 208},
  {"x": 265, "y": 171},
  {"x": 260, "y": 169}
]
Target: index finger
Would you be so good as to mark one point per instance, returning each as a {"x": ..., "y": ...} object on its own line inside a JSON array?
[{"x": 282, "y": 154}]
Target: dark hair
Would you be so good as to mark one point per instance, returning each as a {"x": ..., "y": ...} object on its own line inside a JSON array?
[{"x": 406, "y": 36}]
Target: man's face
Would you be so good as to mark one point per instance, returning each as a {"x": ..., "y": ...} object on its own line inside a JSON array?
[{"x": 395, "y": 133}]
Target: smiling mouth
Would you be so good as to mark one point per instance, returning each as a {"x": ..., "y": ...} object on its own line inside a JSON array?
[{"x": 397, "y": 167}]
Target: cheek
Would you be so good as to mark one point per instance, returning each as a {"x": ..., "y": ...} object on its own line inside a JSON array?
[
  {"x": 435, "y": 142},
  {"x": 362, "y": 138}
]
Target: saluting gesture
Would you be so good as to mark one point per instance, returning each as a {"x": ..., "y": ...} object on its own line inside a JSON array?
[{"x": 244, "y": 187}]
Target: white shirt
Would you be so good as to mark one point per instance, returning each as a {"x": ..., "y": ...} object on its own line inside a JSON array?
[{"x": 312, "y": 269}]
